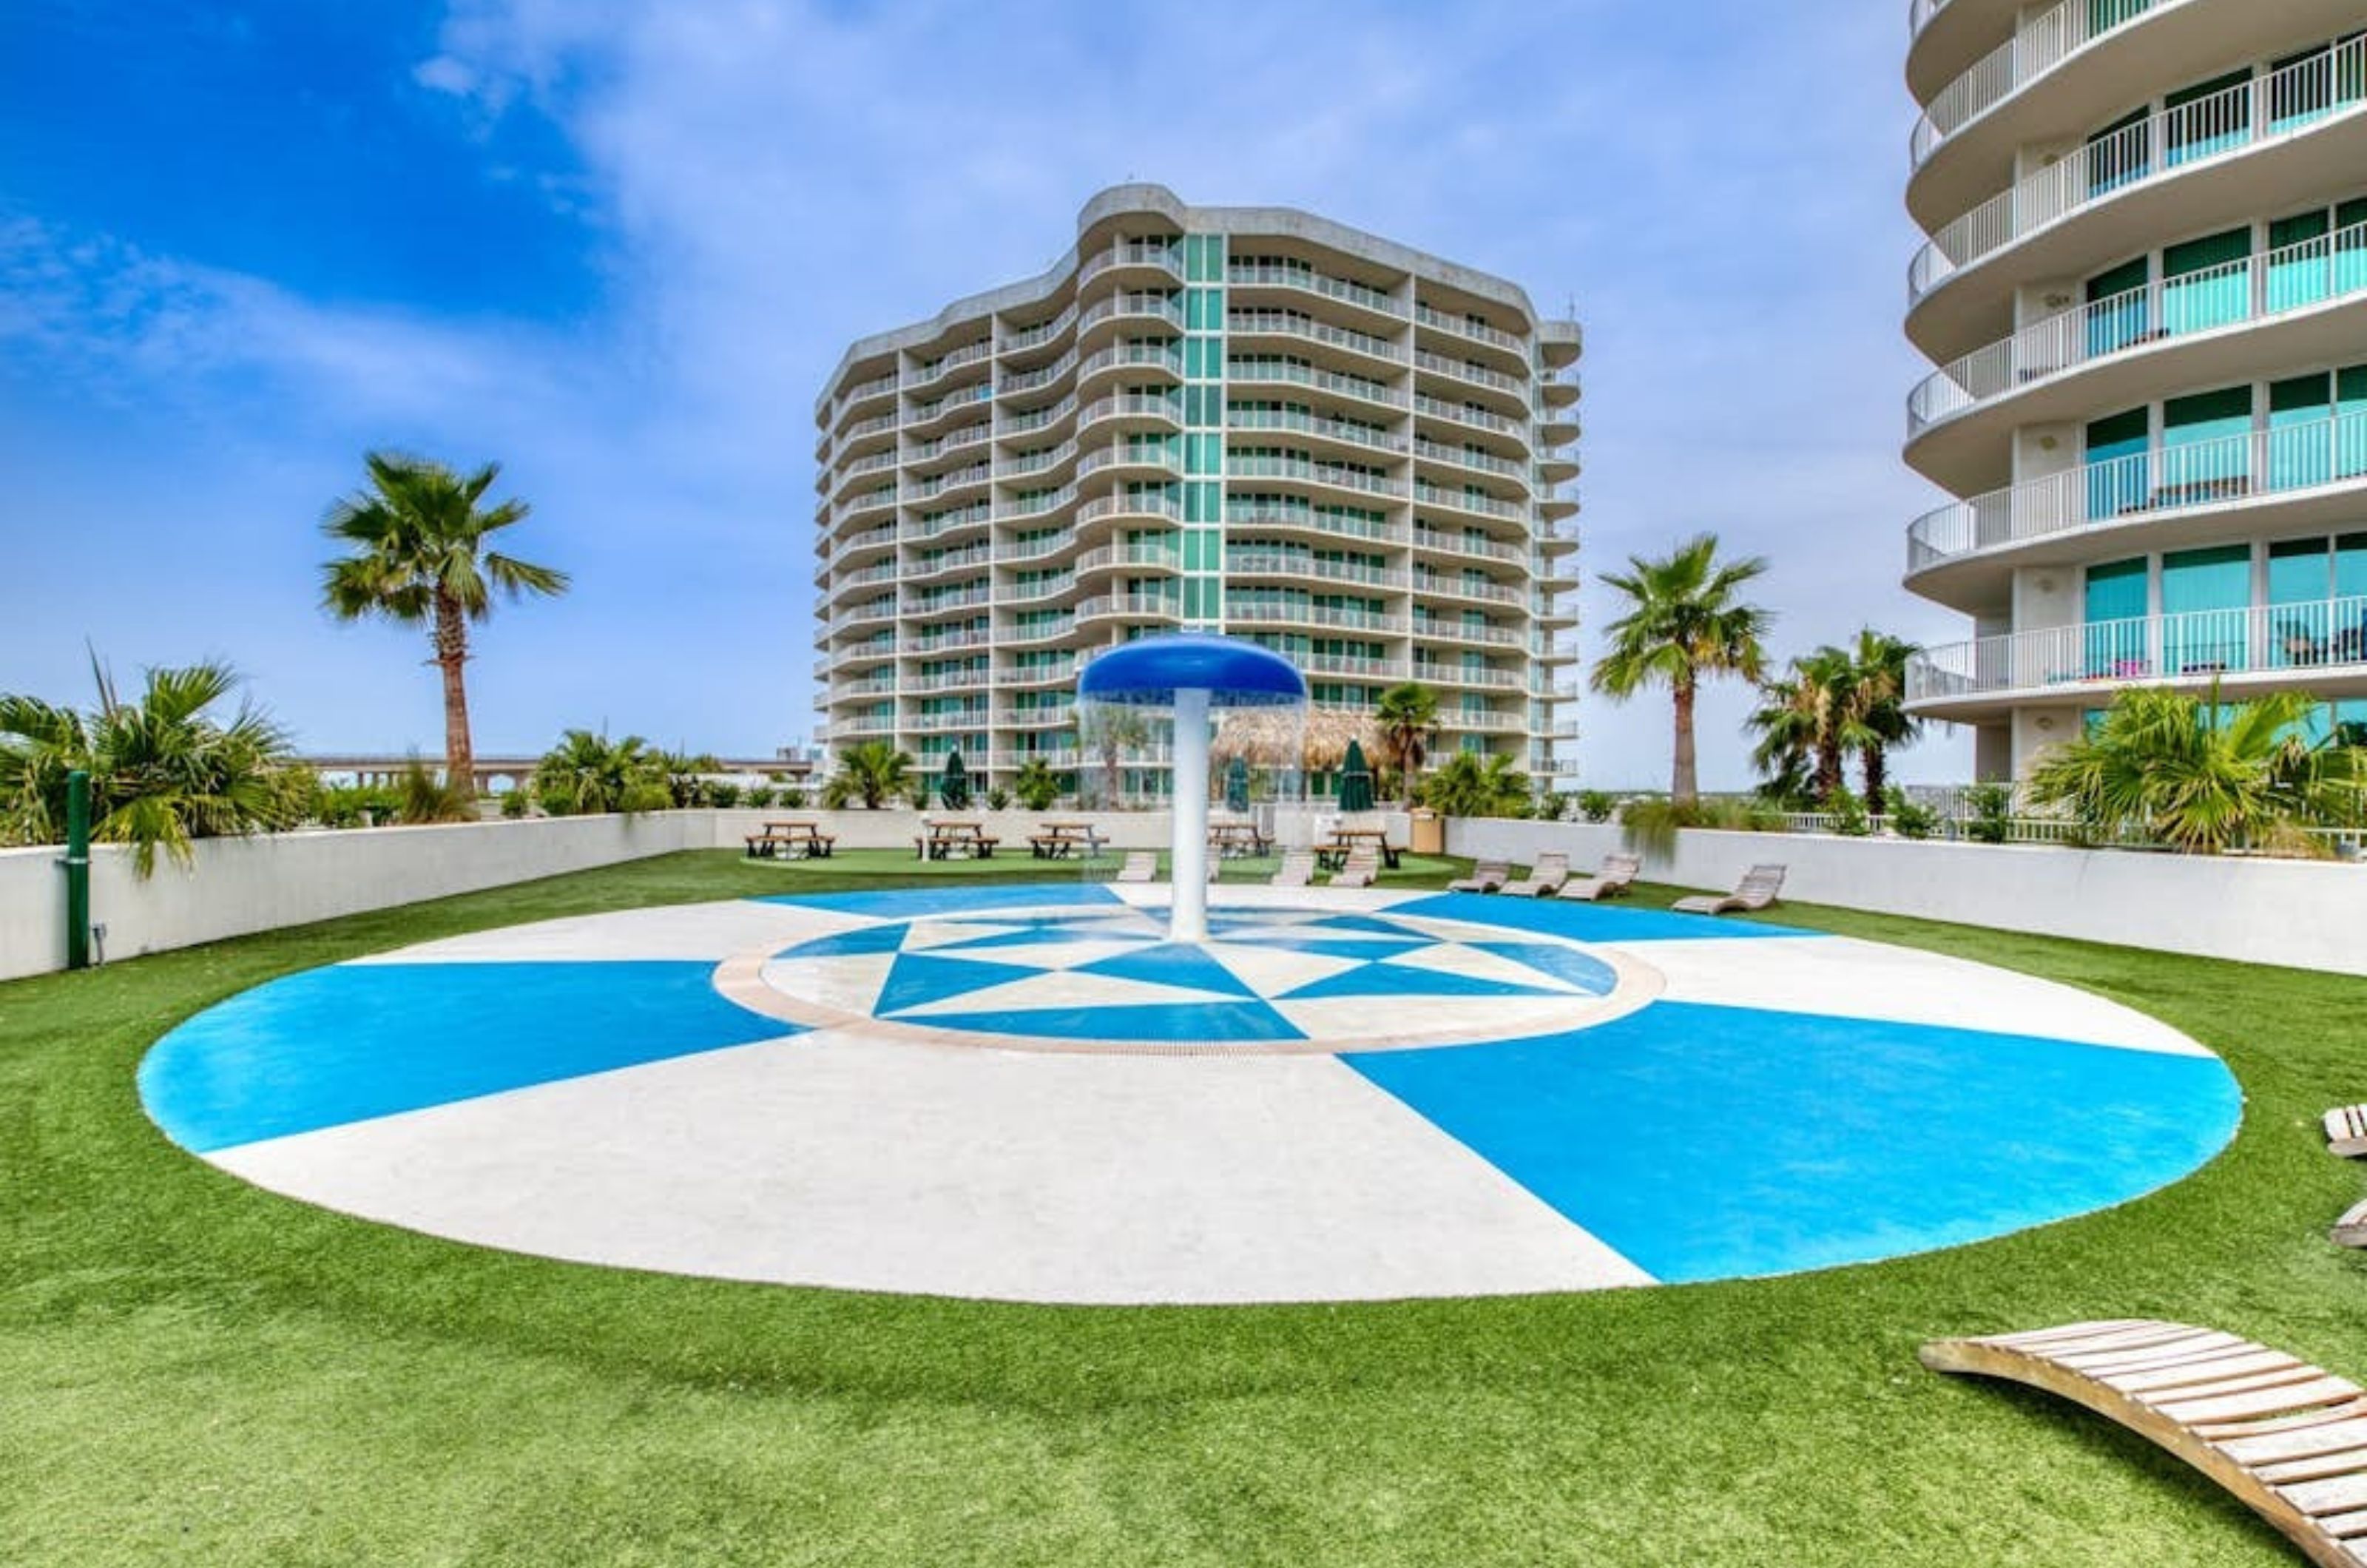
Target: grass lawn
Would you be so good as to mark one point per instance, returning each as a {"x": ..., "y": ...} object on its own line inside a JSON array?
[{"x": 193, "y": 1371}]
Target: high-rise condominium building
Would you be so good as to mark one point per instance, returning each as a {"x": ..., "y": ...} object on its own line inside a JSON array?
[
  {"x": 2146, "y": 292},
  {"x": 1247, "y": 419}
]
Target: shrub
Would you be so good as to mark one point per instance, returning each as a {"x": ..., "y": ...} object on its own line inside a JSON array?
[
  {"x": 1848, "y": 813},
  {"x": 998, "y": 799},
  {"x": 513, "y": 804},
  {"x": 794, "y": 797},
  {"x": 758, "y": 797},
  {"x": 421, "y": 797},
  {"x": 1036, "y": 784},
  {"x": 1992, "y": 814},
  {"x": 1908, "y": 819},
  {"x": 1596, "y": 804},
  {"x": 1651, "y": 825},
  {"x": 725, "y": 795}
]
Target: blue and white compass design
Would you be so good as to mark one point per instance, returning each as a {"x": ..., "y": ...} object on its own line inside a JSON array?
[{"x": 1026, "y": 1093}]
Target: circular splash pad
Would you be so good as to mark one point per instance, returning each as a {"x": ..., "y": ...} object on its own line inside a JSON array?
[{"x": 1027, "y": 1093}]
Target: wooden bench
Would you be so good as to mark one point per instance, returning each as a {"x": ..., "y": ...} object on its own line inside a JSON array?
[
  {"x": 795, "y": 840},
  {"x": 2286, "y": 1439},
  {"x": 2346, "y": 1131},
  {"x": 954, "y": 840}
]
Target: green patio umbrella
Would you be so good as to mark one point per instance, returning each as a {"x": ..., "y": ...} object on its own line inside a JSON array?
[
  {"x": 1237, "y": 784},
  {"x": 952, "y": 787},
  {"x": 1356, "y": 780}
]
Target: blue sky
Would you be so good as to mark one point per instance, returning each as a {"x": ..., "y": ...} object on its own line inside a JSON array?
[{"x": 618, "y": 246}]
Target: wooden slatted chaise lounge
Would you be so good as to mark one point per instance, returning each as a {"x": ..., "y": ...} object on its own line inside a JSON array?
[
  {"x": 1617, "y": 877},
  {"x": 1297, "y": 868},
  {"x": 1360, "y": 869},
  {"x": 2350, "y": 1230},
  {"x": 2287, "y": 1439},
  {"x": 2346, "y": 1131},
  {"x": 1139, "y": 866},
  {"x": 1757, "y": 889},
  {"x": 1545, "y": 878},
  {"x": 1486, "y": 877}
]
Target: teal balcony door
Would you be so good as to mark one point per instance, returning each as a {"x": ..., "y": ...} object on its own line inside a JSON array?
[
  {"x": 2206, "y": 597},
  {"x": 2114, "y": 640},
  {"x": 2206, "y": 283},
  {"x": 2118, "y": 465},
  {"x": 2301, "y": 431},
  {"x": 2206, "y": 449}
]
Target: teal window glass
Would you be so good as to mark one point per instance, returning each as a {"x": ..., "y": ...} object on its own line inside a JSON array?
[
  {"x": 2120, "y": 153},
  {"x": 2350, "y": 567},
  {"x": 2206, "y": 447},
  {"x": 2301, "y": 446},
  {"x": 2351, "y": 421},
  {"x": 2300, "y": 257},
  {"x": 2115, "y": 610},
  {"x": 2118, "y": 476},
  {"x": 2120, "y": 312},
  {"x": 2346, "y": 261},
  {"x": 1204, "y": 309},
  {"x": 2206, "y": 603},
  {"x": 2314, "y": 84},
  {"x": 2206, "y": 283},
  {"x": 2210, "y": 117},
  {"x": 2107, "y": 14},
  {"x": 2300, "y": 572}
]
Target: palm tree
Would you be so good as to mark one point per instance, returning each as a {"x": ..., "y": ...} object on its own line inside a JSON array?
[
  {"x": 1785, "y": 722},
  {"x": 1113, "y": 730},
  {"x": 873, "y": 771},
  {"x": 588, "y": 774},
  {"x": 1036, "y": 784},
  {"x": 1683, "y": 624},
  {"x": 419, "y": 559},
  {"x": 163, "y": 773},
  {"x": 1878, "y": 707},
  {"x": 1407, "y": 717},
  {"x": 2202, "y": 778}
]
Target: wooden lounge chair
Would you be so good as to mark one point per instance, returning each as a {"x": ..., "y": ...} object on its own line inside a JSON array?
[
  {"x": 1617, "y": 876},
  {"x": 1297, "y": 868},
  {"x": 2287, "y": 1439},
  {"x": 1545, "y": 878},
  {"x": 1140, "y": 866},
  {"x": 2346, "y": 1131},
  {"x": 1757, "y": 889},
  {"x": 2350, "y": 1230},
  {"x": 1486, "y": 877},
  {"x": 1361, "y": 867}
]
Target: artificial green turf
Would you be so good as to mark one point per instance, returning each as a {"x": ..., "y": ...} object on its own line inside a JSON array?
[{"x": 194, "y": 1371}]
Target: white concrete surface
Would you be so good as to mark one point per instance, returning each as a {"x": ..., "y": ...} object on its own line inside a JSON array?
[
  {"x": 2307, "y": 914},
  {"x": 835, "y": 1159}
]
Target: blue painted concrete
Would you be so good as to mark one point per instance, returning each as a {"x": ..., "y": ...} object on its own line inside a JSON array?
[
  {"x": 1170, "y": 964},
  {"x": 1236, "y": 1021},
  {"x": 1708, "y": 1141},
  {"x": 1587, "y": 922},
  {"x": 352, "y": 1042}
]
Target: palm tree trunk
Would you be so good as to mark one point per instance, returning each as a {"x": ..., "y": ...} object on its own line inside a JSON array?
[
  {"x": 1683, "y": 787},
  {"x": 1876, "y": 777},
  {"x": 451, "y": 658}
]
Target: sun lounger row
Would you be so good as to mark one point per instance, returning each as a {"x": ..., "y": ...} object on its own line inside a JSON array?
[
  {"x": 1550, "y": 878},
  {"x": 1297, "y": 868}
]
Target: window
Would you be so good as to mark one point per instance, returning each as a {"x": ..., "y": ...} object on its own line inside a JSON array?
[
  {"x": 2300, "y": 452},
  {"x": 2206, "y": 603},
  {"x": 2206, "y": 447},
  {"x": 2115, "y": 610},
  {"x": 2207, "y": 117},
  {"x": 2206, "y": 283},
  {"x": 2127, "y": 318},
  {"x": 2118, "y": 476},
  {"x": 2350, "y": 423},
  {"x": 2119, "y": 154},
  {"x": 2314, "y": 83}
]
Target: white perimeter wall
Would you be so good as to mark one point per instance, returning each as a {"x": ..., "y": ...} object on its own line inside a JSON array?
[
  {"x": 2309, "y": 914},
  {"x": 242, "y": 885}
]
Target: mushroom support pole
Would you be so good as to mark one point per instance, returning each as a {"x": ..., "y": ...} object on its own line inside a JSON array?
[{"x": 1187, "y": 918}]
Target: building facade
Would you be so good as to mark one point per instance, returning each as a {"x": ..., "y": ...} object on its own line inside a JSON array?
[
  {"x": 2145, "y": 293},
  {"x": 1243, "y": 420}
]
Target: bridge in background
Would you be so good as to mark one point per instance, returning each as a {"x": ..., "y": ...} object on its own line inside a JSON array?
[{"x": 364, "y": 767}]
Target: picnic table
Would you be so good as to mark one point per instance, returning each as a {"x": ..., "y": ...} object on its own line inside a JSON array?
[
  {"x": 1333, "y": 854},
  {"x": 954, "y": 840},
  {"x": 799, "y": 838},
  {"x": 1229, "y": 840},
  {"x": 1059, "y": 841}
]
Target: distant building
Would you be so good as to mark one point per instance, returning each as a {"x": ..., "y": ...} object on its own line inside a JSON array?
[
  {"x": 1242, "y": 419},
  {"x": 2146, "y": 292}
]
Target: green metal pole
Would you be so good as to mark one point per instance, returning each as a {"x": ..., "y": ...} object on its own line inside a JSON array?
[{"x": 77, "y": 870}]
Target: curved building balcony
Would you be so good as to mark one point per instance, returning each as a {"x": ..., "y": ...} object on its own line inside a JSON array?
[
  {"x": 1946, "y": 35},
  {"x": 1374, "y": 310},
  {"x": 1160, "y": 607},
  {"x": 1251, "y": 561},
  {"x": 1451, "y": 419},
  {"x": 2318, "y": 646},
  {"x": 1141, "y": 263},
  {"x": 923, "y": 379},
  {"x": 1120, "y": 507},
  {"x": 2249, "y": 320},
  {"x": 1288, "y": 514},
  {"x": 1126, "y": 311},
  {"x": 1461, "y": 546},
  {"x": 1326, "y": 343},
  {"x": 1274, "y": 372},
  {"x": 1133, "y": 558},
  {"x": 2295, "y": 477},
  {"x": 2060, "y": 70},
  {"x": 1239, "y": 610},
  {"x": 972, "y": 520},
  {"x": 1127, "y": 358},
  {"x": 1124, "y": 412},
  {"x": 1303, "y": 471},
  {"x": 1452, "y": 335},
  {"x": 2276, "y": 141},
  {"x": 1348, "y": 438},
  {"x": 972, "y": 558}
]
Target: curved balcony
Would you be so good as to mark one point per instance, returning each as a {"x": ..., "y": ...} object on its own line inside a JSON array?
[
  {"x": 872, "y": 503},
  {"x": 1437, "y": 585},
  {"x": 2176, "y": 170},
  {"x": 1059, "y": 673},
  {"x": 1470, "y": 417},
  {"x": 1025, "y": 384},
  {"x": 933, "y": 419},
  {"x": 2319, "y": 645},
  {"x": 940, "y": 487},
  {"x": 2037, "y": 47},
  {"x": 1132, "y": 607},
  {"x": 1484, "y": 680},
  {"x": 1282, "y": 514},
  {"x": 1297, "y": 326},
  {"x": 849, "y": 551},
  {"x": 952, "y": 641},
  {"x": 1130, "y": 409},
  {"x": 1131, "y": 260},
  {"x": 1511, "y": 348},
  {"x": 1028, "y": 342},
  {"x": 1477, "y": 505},
  {"x": 946, "y": 680},
  {"x": 1360, "y": 438},
  {"x": 1132, "y": 357},
  {"x": 1437, "y": 542},
  {"x": 2304, "y": 475},
  {"x": 863, "y": 394},
  {"x": 2300, "y": 280},
  {"x": 1388, "y": 311},
  {"x": 1248, "y": 371},
  {"x": 1469, "y": 460},
  {"x": 1126, "y": 461},
  {"x": 1455, "y": 632},
  {"x": 1050, "y": 461},
  {"x": 973, "y": 558},
  {"x": 1271, "y": 612},
  {"x": 1050, "y": 590},
  {"x": 958, "y": 601},
  {"x": 1304, "y": 470},
  {"x": 1106, "y": 508},
  {"x": 1302, "y": 566},
  {"x": 970, "y": 519},
  {"x": 1016, "y": 552},
  {"x": 920, "y": 378},
  {"x": 1131, "y": 557}
]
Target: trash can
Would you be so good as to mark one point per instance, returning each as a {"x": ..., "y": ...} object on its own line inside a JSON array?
[{"x": 1429, "y": 832}]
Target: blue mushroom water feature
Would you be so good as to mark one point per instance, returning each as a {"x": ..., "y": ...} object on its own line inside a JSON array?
[{"x": 1191, "y": 674}]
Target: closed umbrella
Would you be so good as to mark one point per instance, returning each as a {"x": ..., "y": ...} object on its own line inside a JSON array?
[
  {"x": 1237, "y": 784},
  {"x": 953, "y": 788},
  {"x": 1356, "y": 780}
]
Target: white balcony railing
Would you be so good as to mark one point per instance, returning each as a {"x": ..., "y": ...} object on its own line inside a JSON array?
[
  {"x": 2037, "y": 47},
  {"x": 1258, "y": 275},
  {"x": 2258, "y": 288},
  {"x": 1264, "y": 369},
  {"x": 1348, "y": 430},
  {"x": 2200, "y": 645},
  {"x": 1463, "y": 370},
  {"x": 1465, "y": 500},
  {"x": 2310, "y": 454},
  {"x": 1243, "y": 466},
  {"x": 2283, "y": 104},
  {"x": 1477, "y": 332},
  {"x": 1297, "y": 323}
]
